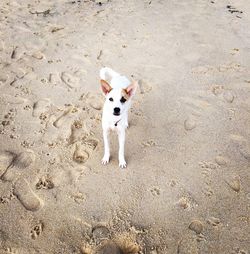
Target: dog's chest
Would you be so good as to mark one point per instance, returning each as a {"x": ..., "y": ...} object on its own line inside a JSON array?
[{"x": 114, "y": 125}]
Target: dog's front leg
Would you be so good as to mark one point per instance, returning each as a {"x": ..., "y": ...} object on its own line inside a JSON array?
[
  {"x": 121, "y": 137},
  {"x": 106, "y": 156},
  {"x": 126, "y": 121}
]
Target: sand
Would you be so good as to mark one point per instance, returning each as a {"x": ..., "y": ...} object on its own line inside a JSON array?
[{"x": 186, "y": 188}]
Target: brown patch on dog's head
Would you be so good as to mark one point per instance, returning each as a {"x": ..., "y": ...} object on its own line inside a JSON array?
[
  {"x": 106, "y": 88},
  {"x": 125, "y": 94}
]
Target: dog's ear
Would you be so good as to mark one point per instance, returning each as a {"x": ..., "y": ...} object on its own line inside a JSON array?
[
  {"x": 106, "y": 88},
  {"x": 131, "y": 89}
]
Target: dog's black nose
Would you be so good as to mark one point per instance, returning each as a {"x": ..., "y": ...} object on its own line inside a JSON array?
[{"x": 117, "y": 110}]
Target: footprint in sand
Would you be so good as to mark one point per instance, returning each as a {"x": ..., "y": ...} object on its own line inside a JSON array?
[
  {"x": 242, "y": 145},
  {"x": 214, "y": 221},
  {"x": 91, "y": 143},
  {"x": 19, "y": 162},
  {"x": 100, "y": 233},
  {"x": 144, "y": 86},
  {"x": 219, "y": 91},
  {"x": 80, "y": 154},
  {"x": 119, "y": 245},
  {"x": 17, "y": 53},
  {"x": 45, "y": 182},
  {"x": 95, "y": 101},
  {"x": 207, "y": 165},
  {"x": 206, "y": 172},
  {"x": 155, "y": 191},
  {"x": 34, "y": 44},
  {"x": 201, "y": 69},
  {"x": 9, "y": 99},
  {"x": 9, "y": 117},
  {"x": 3, "y": 78},
  {"x": 70, "y": 176},
  {"x": 54, "y": 78},
  {"x": 37, "y": 230},
  {"x": 77, "y": 173},
  {"x": 184, "y": 202},
  {"x": 148, "y": 143},
  {"x": 208, "y": 191},
  {"x": 234, "y": 183},
  {"x": 22, "y": 72},
  {"x": 70, "y": 80},
  {"x": 189, "y": 123},
  {"x": 79, "y": 131},
  {"x": 41, "y": 107},
  {"x": 173, "y": 183},
  {"x": 228, "y": 96},
  {"x": 110, "y": 248},
  {"x": 150, "y": 251},
  {"x": 5, "y": 161},
  {"x": 244, "y": 150},
  {"x": 63, "y": 118},
  {"x": 197, "y": 104},
  {"x": 26, "y": 196},
  {"x": 6, "y": 199},
  {"x": 78, "y": 197},
  {"x": 2, "y": 45},
  {"x": 24, "y": 159},
  {"x": 188, "y": 244},
  {"x": 187, "y": 202}
]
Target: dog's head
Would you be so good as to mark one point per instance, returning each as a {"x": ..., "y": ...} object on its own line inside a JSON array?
[{"x": 117, "y": 98}]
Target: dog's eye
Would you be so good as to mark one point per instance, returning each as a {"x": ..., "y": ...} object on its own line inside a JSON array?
[
  {"x": 122, "y": 100},
  {"x": 111, "y": 99}
]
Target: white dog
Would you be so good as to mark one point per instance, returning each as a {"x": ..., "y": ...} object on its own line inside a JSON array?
[{"x": 118, "y": 91}]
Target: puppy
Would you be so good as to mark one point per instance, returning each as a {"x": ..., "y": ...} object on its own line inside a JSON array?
[{"x": 118, "y": 91}]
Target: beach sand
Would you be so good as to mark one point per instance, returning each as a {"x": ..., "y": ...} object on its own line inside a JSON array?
[{"x": 186, "y": 188}]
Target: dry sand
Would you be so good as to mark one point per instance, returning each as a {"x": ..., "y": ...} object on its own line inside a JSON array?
[{"x": 187, "y": 186}]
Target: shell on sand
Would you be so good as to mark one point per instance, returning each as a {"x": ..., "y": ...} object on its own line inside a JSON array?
[
  {"x": 220, "y": 160},
  {"x": 234, "y": 184},
  {"x": 189, "y": 124},
  {"x": 196, "y": 226}
]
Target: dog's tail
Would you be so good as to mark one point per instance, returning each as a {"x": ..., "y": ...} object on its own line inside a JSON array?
[{"x": 107, "y": 71}]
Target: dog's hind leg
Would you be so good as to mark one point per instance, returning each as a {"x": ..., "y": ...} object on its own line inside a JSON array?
[
  {"x": 106, "y": 156},
  {"x": 121, "y": 137}
]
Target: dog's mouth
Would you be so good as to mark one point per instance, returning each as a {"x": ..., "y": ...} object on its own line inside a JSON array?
[{"x": 116, "y": 114}]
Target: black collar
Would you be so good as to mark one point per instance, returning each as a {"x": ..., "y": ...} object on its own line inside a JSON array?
[{"x": 117, "y": 122}]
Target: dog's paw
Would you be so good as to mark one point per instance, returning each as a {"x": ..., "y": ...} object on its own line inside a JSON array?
[
  {"x": 122, "y": 163},
  {"x": 105, "y": 160}
]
